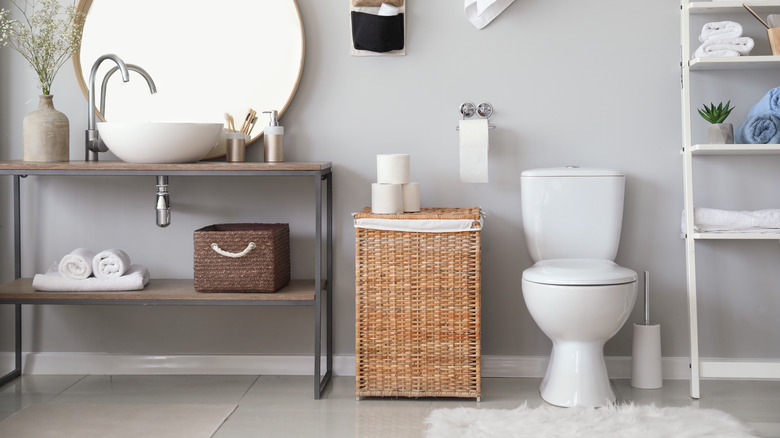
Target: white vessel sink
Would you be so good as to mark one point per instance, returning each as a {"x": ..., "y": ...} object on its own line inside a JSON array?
[{"x": 158, "y": 142}]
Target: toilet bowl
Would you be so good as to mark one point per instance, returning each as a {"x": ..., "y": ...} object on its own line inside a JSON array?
[
  {"x": 577, "y": 295},
  {"x": 579, "y": 316}
]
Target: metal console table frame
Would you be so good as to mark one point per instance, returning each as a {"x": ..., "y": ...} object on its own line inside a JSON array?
[{"x": 182, "y": 292}]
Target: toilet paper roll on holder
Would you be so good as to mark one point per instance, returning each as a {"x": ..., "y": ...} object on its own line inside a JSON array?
[{"x": 484, "y": 110}]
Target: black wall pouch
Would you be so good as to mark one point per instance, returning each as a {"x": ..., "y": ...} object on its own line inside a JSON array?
[{"x": 377, "y": 33}]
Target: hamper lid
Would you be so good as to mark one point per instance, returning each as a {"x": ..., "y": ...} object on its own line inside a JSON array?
[
  {"x": 425, "y": 213},
  {"x": 427, "y": 220}
]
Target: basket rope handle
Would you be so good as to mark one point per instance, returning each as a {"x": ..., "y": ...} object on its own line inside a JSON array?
[{"x": 234, "y": 255}]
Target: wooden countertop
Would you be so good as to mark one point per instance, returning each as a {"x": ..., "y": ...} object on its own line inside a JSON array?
[{"x": 118, "y": 167}]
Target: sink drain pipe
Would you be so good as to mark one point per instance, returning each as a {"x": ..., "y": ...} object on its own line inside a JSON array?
[{"x": 163, "y": 205}]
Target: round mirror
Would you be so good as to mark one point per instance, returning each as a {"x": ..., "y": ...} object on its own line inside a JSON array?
[{"x": 207, "y": 59}]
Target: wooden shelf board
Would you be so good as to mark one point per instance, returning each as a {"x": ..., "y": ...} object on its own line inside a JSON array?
[
  {"x": 735, "y": 149},
  {"x": 15, "y": 166},
  {"x": 158, "y": 290}
]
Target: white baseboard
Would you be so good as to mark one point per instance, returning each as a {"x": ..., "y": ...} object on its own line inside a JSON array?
[
  {"x": 343, "y": 365},
  {"x": 618, "y": 367}
]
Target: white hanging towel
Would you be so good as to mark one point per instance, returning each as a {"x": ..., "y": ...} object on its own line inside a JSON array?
[{"x": 482, "y": 12}]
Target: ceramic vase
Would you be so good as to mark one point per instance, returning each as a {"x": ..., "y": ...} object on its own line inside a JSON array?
[
  {"x": 720, "y": 133},
  {"x": 46, "y": 133}
]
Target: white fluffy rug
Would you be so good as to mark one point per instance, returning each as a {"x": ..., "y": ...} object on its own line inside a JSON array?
[{"x": 626, "y": 421}]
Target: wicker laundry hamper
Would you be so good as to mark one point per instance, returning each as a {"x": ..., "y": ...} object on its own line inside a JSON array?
[
  {"x": 418, "y": 307},
  {"x": 242, "y": 257}
]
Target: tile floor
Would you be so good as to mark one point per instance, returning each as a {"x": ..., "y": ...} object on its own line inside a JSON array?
[{"x": 283, "y": 406}]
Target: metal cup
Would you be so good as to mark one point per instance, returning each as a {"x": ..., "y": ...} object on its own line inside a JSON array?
[{"x": 235, "y": 146}]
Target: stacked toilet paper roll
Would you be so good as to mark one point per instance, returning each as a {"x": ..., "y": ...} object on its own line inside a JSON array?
[{"x": 393, "y": 193}]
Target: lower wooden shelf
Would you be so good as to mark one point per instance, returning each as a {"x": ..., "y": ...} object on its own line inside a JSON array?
[{"x": 160, "y": 292}]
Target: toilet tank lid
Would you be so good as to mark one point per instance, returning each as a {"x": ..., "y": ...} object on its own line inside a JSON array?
[{"x": 570, "y": 171}]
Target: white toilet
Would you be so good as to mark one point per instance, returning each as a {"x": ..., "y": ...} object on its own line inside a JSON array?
[{"x": 577, "y": 295}]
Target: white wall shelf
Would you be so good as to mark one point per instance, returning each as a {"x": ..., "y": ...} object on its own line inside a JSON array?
[
  {"x": 736, "y": 236},
  {"x": 712, "y": 65},
  {"x": 712, "y": 7},
  {"x": 734, "y": 63},
  {"x": 735, "y": 149}
]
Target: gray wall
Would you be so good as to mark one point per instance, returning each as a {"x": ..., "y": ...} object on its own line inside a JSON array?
[{"x": 571, "y": 83}]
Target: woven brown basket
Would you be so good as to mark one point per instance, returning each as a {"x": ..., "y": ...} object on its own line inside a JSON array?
[
  {"x": 418, "y": 309},
  {"x": 242, "y": 257}
]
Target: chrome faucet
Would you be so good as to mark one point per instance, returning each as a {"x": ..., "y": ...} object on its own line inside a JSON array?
[
  {"x": 130, "y": 67},
  {"x": 93, "y": 142}
]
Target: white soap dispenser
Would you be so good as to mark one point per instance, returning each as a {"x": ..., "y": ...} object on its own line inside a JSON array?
[{"x": 273, "y": 139}]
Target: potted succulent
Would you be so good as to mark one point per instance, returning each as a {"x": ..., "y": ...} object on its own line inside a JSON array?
[{"x": 718, "y": 132}]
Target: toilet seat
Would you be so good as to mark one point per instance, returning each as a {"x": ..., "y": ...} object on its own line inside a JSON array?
[{"x": 579, "y": 272}]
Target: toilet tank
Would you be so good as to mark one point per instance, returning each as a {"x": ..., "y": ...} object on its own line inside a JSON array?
[{"x": 572, "y": 212}]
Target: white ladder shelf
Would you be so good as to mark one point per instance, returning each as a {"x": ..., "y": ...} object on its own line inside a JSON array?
[{"x": 723, "y": 369}]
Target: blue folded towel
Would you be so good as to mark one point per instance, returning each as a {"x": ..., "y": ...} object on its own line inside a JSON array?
[
  {"x": 760, "y": 129},
  {"x": 770, "y": 103}
]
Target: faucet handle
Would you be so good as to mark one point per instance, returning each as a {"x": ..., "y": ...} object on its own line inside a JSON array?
[{"x": 94, "y": 142}]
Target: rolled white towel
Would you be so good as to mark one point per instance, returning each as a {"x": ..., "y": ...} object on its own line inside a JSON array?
[
  {"x": 725, "y": 47},
  {"x": 719, "y": 30},
  {"x": 111, "y": 263},
  {"x": 77, "y": 265}
]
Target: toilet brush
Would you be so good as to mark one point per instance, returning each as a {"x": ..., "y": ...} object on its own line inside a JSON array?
[{"x": 646, "y": 351}]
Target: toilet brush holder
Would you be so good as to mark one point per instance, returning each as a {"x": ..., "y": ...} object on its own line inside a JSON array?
[
  {"x": 646, "y": 357},
  {"x": 646, "y": 351}
]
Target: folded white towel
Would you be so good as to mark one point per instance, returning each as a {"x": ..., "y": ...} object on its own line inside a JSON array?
[
  {"x": 135, "y": 279},
  {"x": 482, "y": 12},
  {"x": 111, "y": 263},
  {"x": 725, "y": 47},
  {"x": 77, "y": 265},
  {"x": 719, "y": 30},
  {"x": 714, "y": 220}
]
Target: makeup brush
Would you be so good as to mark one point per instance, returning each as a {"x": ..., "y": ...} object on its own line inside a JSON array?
[{"x": 756, "y": 15}]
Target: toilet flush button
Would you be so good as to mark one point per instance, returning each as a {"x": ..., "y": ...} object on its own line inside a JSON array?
[{"x": 572, "y": 167}]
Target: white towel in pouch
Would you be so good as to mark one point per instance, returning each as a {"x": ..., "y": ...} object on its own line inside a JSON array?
[{"x": 482, "y": 12}]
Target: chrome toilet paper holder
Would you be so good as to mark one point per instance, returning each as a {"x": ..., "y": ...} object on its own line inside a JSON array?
[{"x": 484, "y": 110}]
